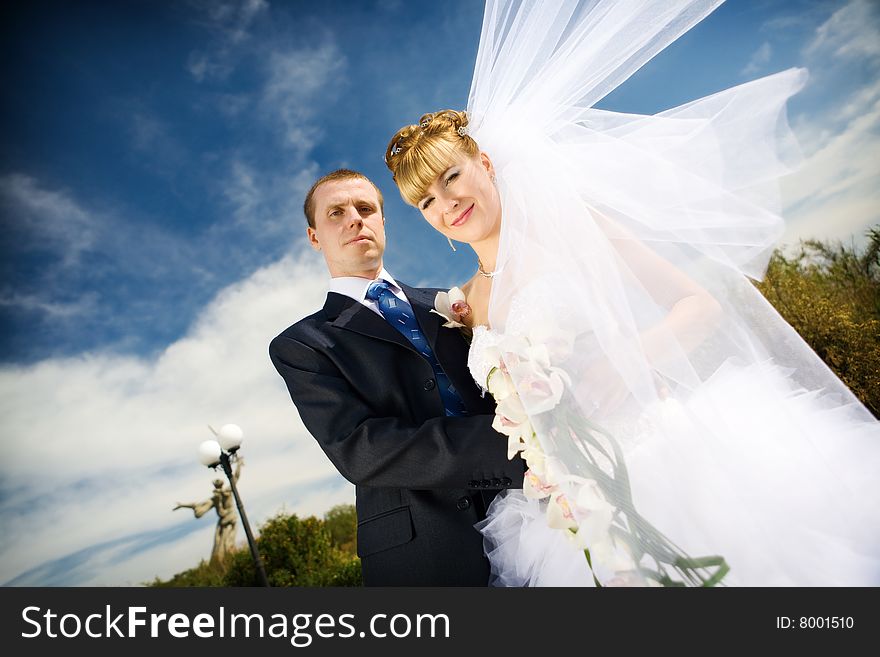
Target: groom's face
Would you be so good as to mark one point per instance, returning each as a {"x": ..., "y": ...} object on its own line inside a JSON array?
[{"x": 349, "y": 227}]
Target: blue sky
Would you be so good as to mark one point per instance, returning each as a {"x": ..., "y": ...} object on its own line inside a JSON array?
[{"x": 153, "y": 166}]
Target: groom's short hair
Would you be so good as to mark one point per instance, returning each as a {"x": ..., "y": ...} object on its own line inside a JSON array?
[{"x": 339, "y": 174}]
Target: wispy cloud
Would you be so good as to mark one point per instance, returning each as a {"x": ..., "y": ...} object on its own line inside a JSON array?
[
  {"x": 266, "y": 200},
  {"x": 85, "y": 304},
  {"x": 836, "y": 192},
  {"x": 230, "y": 22},
  {"x": 267, "y": 203},
  {"x": 758, "y": 60},
  {"x": 49, "y": 220},
  {"x": 104, "y": 468},
  {"x": 297, "y": 81},
  {"x": 850, "y": 33},
  {"x": 78, "y": 245}
]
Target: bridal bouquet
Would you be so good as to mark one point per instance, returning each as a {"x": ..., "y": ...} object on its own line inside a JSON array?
[{"x": 594, "y": 507}]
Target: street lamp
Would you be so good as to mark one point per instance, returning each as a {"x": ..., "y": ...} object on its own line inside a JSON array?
[{"x": 222, "y": 452}]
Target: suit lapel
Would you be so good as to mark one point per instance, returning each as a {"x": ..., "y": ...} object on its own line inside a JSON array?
[
  {"x": 350, "y": 315},
  {"x": 449, "y": 346}
]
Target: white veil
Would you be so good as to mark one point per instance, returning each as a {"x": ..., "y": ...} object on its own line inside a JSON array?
[{"x": 705, "y": 423}]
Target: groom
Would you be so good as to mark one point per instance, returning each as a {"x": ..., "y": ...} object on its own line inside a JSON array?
[{"x": 385, "y": 391}]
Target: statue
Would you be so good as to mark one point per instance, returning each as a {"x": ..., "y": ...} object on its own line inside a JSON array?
[{"x": 223, "y": 502}]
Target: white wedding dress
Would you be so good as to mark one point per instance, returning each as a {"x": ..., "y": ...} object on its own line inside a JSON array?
[
  {"x": 673, "y": 403},
  {"x": 755, "y": 526}
]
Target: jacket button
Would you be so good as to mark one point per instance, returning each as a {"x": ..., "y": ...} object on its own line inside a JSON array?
[
  {"x": 506, "y": 481},
  {"x": 429, "y": 384},
  {"x": 463, "y": 504},
  {"x": 473, "y": 483},
  {"x": 485, "y": 483},
  {"x": 496, "y": 482}
]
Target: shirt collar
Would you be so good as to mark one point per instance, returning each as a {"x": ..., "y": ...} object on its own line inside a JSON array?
[{"x": 355, "y": 287}]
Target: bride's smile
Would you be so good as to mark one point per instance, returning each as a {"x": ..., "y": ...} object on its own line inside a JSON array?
[
  {"x": 462, "y": 203},
  {"x": 464, "y": 216}
]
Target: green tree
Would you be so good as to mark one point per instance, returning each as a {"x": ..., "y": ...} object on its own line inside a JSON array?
[
  {"x": 341, "y": 522},
  {"x": 294, "y": 551},
  {"x": 830, "y": 294},
  {"x": 207, "y": 573}
]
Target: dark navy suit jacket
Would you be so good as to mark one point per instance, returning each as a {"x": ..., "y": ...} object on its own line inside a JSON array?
[{"x": 422, "y": 479}]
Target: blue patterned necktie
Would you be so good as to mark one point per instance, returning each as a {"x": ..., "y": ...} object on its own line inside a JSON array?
[{"x": 401, "y": 316}]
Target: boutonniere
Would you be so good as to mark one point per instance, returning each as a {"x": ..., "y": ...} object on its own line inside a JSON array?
[{"x": 452, "y": 307}]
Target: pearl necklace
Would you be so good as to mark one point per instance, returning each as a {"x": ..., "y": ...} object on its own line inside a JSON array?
[{"x": 483, "y": 272}]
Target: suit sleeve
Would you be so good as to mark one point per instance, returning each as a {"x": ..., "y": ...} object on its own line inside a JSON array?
[{"x": 442, "y": 452}]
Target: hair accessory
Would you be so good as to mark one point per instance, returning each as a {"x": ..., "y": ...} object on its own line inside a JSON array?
[
  {"x": 462, "y": 130},
  {"x": 425, "y": 123}
]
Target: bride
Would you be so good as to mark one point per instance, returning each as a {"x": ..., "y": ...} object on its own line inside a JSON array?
[{"x": 677, "y": 431}]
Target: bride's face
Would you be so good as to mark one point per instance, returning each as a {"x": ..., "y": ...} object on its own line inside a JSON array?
[{"x": 463, "y": 202}]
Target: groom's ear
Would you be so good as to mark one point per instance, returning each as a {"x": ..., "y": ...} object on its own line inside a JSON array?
[{"x": 313, "y": 238}]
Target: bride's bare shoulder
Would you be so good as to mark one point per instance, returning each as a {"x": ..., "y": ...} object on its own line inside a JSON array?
[
  {"x": 468, "y": 287},
  {"x": 476, "y": 293}
]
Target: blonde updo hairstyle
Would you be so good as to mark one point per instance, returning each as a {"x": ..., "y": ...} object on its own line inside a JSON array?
[{"x": 419, "y": 153}]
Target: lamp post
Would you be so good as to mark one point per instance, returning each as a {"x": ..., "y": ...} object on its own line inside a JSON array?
[{"x": 222, "y": 452}]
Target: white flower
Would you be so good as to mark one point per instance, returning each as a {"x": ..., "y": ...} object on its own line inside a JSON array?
[
  {"x": 534, "y": 487},
  {"x": 541, "y": 389},
  {"x": 512, "y": 421},
  {"x": 452, "y": 307},
  {"x": 559, "y": 512},
  {"x": 533, "y": 455},
  {"x": 515, "y": 434},
  {"x": 610, "y": 558},
  {"x": 514, "y": 348},
  {"x": 499, "y": 384},
  {"x": 594, "y": 514}
]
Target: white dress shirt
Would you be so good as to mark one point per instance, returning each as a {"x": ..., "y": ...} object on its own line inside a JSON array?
[{"x": 355, "y": 287}]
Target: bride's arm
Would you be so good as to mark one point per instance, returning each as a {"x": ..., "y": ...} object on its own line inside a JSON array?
[{"x": 693, "y": 313}]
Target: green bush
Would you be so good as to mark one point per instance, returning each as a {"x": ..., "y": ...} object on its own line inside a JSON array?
[
  {"x": 341, "y": 522},
  {"x": 205, "y": 574},
  {"x": 830, "y": 294},
  {"x": 294, "y": 552}
]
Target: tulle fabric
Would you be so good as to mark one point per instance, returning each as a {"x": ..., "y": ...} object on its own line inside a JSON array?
[
  {"x": 610, "y": 223},
  {"x": 524, "y": 551}
]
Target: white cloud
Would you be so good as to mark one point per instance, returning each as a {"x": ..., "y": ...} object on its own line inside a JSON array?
[
  {"x": 98, "y": 448},
  {"x": 758, "y": 59},
  {"x": 47, "y": 219},
  {"x": 267, "y": 204},
  {"x": 91, "y": 256},
  {"x": 835, "y": 194},
  {"x": 297, "y": 81},
  {"x": 85, "y": 304},
  {"x": 852, "y": 32},
  {"x": 230, "y": 21},
  {"x": 268, "y": 201}
]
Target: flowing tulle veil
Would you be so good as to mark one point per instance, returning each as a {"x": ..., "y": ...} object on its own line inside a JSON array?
[{"x": 720, "y": 434}]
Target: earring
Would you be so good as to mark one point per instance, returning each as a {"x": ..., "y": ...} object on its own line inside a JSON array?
[{"x": 451, "y": 245}]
